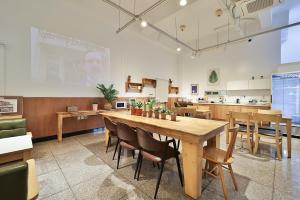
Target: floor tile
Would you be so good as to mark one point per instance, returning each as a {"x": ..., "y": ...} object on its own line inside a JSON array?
[
  {"x": 92, "y": 167},
  {"x": 66, "y": 146},
  {"x": 287, "y": 177},
  {"x": 105, "y": 186},
  {"x": 64, "y": 195},
  {"x": 51, "y": 183},
  {"x": 90, "y": 138},
  {"x": 46, "y": 165}
]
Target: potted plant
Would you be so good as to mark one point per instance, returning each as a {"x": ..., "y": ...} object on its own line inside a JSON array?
[
  {"x": 132, "y": 107},
  {"x": 139, "y": 109},
  {"x": 151, "y": 104},
  {"x": 95, "y": 106},
  {"x": 164, "y": 113},
  {"x": 109, "y": 93},
  {"x": 156, "y": 112}
]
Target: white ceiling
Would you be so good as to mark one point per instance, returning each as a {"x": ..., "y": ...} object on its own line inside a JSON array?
[{"x": 197, "y": 11}]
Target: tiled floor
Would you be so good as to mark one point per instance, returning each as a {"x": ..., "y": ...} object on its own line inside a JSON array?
[{"x": 79, "y": 169}]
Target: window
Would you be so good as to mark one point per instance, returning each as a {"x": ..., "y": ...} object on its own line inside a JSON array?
[{"x": 286, "y": 95}]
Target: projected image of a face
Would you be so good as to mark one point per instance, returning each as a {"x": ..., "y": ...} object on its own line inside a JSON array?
[
  {"x": 94, "y": 65},
  {"x": 59, "y": 60}
]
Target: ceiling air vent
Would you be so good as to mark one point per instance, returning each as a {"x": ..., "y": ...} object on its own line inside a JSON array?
[{"x": 245, "y": 7}]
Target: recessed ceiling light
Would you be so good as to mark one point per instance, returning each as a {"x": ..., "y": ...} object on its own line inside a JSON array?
[
  {"x": 144, "y": 24},
  {"x": 178, "y": 49},
  {"x": 182, "y": 2}
]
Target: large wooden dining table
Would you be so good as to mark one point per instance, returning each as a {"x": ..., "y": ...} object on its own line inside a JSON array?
[{"x": 192, "y": 132}]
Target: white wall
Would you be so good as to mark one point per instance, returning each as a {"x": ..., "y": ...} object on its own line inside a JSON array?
[
  {"x": 92, "y": 21},
  {"x": 239, "y": 61}
]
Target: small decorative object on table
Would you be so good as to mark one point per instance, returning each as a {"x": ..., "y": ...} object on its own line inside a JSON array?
[
  {"x": 164, "y": 112},
  {"x": 139, "y": 111},
  {"x": 156, "y": 112},
  {"x": 109, "y": 93},
  {"x": 95, "y": 106},
  {"x": 72, "y": 108}
]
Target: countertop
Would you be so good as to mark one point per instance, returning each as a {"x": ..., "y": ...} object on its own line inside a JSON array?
[{"x": 238, "y": 104}]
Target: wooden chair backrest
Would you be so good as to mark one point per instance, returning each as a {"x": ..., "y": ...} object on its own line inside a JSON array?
[
  {"x": 233, "y": 131},
  {"x": 243, "y": 117},
  {"x": 270, "y": 118}
]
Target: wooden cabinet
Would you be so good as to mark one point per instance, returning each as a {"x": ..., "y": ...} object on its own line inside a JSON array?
[
  {"x": 237, "y": 85},
  {"x": 260, "y": 84},
  {"x": 220, "y": 111}
]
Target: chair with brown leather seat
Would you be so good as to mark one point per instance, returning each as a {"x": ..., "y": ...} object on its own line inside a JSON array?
[
  {"x": 157, "y": 152},
  {"x": 220, "y": 159},
  {"x": 127, "y": 139},
  {"x": 112, "y": 133}
]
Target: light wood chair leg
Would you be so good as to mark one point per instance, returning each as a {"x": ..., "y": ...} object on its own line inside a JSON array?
[
  {"x": 233, "y": 178},
  {"x": 221, "y": 174}
]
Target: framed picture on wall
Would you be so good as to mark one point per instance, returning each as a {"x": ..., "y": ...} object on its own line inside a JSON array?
[
  {"x": 194, "y": 89},
  {"x": 213, "y": 76}
]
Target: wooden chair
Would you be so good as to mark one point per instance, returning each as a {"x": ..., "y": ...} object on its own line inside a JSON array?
[
  {"x": 245, "y": 129},
  {"x": 127, "y": 140},
  {"x": 157, "y": 152},
  {"x": 221, "y": 159},
  {"x": 266, "y": 132},
  {"x": 112, "y": 133}
]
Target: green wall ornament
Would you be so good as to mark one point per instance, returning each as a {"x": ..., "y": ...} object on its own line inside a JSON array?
[{"x": 213, "y": 77}]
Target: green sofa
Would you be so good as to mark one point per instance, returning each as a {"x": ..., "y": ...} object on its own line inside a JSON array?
[
  {"x": 12, "y": 128},
  {"x": 18, "y": 181}
]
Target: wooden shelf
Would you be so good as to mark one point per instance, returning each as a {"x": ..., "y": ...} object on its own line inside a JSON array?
[
  {"x": 173, "y": 90},
  {"x": 149, "y": 82},
  {"x": 133, "y": 87}
]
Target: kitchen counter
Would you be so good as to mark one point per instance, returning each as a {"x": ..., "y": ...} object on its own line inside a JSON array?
[
  {"x": 220, "y": 110},
  {"x": 236, "y": 104}
]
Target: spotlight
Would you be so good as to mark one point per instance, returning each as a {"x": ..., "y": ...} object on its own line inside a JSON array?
[
  {"x": 182, "y": 2},
  {"x": 144, "y": 24},
  {"x": 178, "y": 49}
]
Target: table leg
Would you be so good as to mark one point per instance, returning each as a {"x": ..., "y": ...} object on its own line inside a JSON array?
[
  {"x": 289, "y": 137},
  {"x": 192, "y": 166},
  {"x": 59, "y": 128},
  {"x": 106, "y": 136}
]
